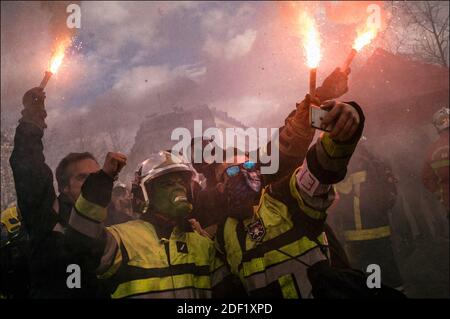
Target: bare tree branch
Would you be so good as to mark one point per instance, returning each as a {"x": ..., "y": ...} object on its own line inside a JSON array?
[{"x": 430, "y": 22}]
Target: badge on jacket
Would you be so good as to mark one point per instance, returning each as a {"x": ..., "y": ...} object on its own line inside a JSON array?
[
  {"x": 256, "y": 230},
  {"x": 182, "y": 247}
]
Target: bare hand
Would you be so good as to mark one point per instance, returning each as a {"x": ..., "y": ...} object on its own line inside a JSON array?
[
  {"x": 198, "y": 228},
  {"x": 114, "y": 162},
  {"x": 345, "y": 117},
  {"x": 335, "y": 85}
]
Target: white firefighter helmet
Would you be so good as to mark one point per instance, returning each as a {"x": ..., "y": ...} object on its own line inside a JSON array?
[
  {"x": 158, "y": 165},
  {"x": 441, "y": 118}
]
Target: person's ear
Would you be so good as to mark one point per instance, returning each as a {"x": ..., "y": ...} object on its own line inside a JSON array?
[{"x": 66, "y": 190}]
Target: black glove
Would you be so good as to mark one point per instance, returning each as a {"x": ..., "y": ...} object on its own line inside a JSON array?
[
  {"x": 345, "y": 283},
  {"x": 34, "y": 108},
  {"x": 334, "y": 86}
]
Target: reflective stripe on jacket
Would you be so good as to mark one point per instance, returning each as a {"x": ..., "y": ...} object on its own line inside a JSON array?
[
  {"x": 365, "y": 197},
  {"x": 142, "y": 264},
  {"x": 272, "y": 251},
  {"x": 135, "y": 262},
  {"x": 269, "y": 268}
]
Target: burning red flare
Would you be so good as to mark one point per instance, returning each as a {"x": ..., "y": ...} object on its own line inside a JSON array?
[
  {"x": 58, "y": 56},
  {"x": 311, "y": 44},
  {"x": 310, "y": 39},
  {"x": 364, "y": 38},
  {"x": 55, "y": 61}
]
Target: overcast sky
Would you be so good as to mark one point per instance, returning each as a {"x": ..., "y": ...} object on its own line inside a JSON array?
[{"x": 242, "y": 57}]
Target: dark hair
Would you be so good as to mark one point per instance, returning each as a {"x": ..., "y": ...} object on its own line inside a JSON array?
[{"x": 62, "y": 172}]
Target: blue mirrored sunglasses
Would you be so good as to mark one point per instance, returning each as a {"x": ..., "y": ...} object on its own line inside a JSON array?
[{"x": 234, "y": 170}]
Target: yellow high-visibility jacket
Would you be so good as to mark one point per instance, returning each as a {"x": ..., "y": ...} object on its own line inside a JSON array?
[
  {"x": 272, "y": 250},
  {"x": 135, "y": 262}
]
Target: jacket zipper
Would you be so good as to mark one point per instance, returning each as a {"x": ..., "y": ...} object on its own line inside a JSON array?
[{"x": 167, "y": 248}]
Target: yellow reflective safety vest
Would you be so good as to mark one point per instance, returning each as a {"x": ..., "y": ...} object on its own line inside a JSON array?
[
  {"x": 366, "y": 195},
  {"x": 276, "y": 265},
  {"x": 10, "y": 226},
  {"x": 182, "y": 266},
  {"x": 10, "y": 218}
]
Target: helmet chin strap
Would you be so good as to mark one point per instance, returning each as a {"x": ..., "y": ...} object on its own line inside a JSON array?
[{"x": 144, "y": 192}]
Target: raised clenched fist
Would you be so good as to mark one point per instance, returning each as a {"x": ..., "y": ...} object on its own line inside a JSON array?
[
  {"x": 34, "y": 108},
  {"x": 34, "y": 98},
  {"x": 334, "y": 86},
  {"x": 114, "y": 162}
]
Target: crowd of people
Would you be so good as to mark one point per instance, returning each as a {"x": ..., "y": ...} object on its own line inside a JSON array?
[{"x": 203, "y": 230}]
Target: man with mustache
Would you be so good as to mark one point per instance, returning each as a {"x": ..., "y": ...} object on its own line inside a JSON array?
[{"x": 45, "y": 213}]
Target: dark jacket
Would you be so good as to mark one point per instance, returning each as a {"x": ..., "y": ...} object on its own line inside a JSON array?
[{"x": 49, "y": 257}]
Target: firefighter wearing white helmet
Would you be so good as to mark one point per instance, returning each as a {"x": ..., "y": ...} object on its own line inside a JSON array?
[
  {"x": 441, "y": 119},
  {"x": 160, "y": 164},
  {"x": 435, "y": 174},
  {"x": 159, "y": 255}
]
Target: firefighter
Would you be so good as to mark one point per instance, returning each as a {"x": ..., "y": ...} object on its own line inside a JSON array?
[
  {"x": 159, "y": 255},
  {"x": 273, "y": 237},
  {"x": 294, "y": 139},
  {"x": 365, "y": 198},
  {"x": 435, "y": 169},
  {"x": 44, "y": 214}
]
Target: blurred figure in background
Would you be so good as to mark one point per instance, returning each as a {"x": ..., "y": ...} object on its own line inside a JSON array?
[
  {"x": 120, "y": 210},
  {"x": 362, "y": 215},
  {"x": 209, "y": 204},
  {"x": 15, "y": 281},
  {"x": 435, "y": 169}
]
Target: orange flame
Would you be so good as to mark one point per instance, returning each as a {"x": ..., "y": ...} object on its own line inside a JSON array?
[
  {"x": 311, "y": 39},
  {"x": 364, "y": 38},
  {"x": 58, "y": 56}
]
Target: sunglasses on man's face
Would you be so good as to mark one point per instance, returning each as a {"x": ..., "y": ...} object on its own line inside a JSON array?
[{"x": 235, "y": 169}]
